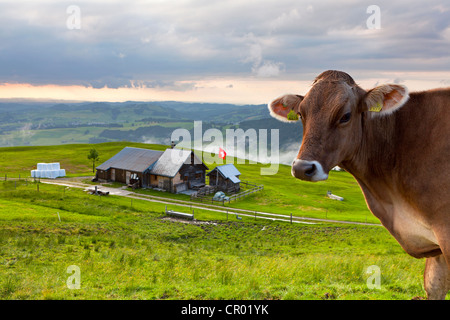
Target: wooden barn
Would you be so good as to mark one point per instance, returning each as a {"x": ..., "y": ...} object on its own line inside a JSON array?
[
  {"x": 173, "y": 170},
  {"x": 178, "y": 170},
  {"x": 129, "y": 166},
  {"x": 226, "y": 178}
]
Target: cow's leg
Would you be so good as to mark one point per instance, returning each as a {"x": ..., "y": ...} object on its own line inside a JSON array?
[{"x": 436, "y": 278}]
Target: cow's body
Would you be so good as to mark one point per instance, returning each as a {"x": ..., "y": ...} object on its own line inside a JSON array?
[
  {"x": 400, "y": 158},
  {"x": 406, "y": 179}
]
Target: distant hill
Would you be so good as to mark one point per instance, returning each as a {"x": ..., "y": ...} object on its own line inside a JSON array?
[
  {"x": 62, "y": 122},
  {"x": 225, "y": 113}
]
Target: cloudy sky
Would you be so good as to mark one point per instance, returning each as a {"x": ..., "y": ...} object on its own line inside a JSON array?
[{"x": 217, "y": 51}]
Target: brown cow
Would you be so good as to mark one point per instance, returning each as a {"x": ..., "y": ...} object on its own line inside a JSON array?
[{"x": 397, "y": 146}]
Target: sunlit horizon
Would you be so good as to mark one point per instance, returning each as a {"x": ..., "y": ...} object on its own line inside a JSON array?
[{"x": 233, "y": 91}]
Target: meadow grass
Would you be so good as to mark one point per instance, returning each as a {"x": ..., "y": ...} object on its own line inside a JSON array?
[
  {"x": 72, "y": 157},
  {"x": 128, "y": 249},
  {"x": 131, "y": 251},
  {"x": 282, "y": 193}
]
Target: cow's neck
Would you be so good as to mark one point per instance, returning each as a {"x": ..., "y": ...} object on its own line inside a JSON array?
[
  {"x": 373, "y": 163},
  {"x": 376, "y": 157},
  {"x": 384, "y": 177}
]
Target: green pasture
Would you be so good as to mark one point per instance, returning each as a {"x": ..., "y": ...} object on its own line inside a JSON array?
[
  {"x": 282, "y": 193},
  {"x": 128, "y": 250}
]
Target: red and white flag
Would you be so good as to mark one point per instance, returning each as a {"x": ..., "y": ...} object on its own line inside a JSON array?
[{"x": 222, "y": 153}]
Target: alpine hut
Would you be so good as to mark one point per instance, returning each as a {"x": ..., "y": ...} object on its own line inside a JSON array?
[
  {"x": 130, "y": 166},
  {"x": 178, "y": 170},
  {"x": 173, "y": 170}
]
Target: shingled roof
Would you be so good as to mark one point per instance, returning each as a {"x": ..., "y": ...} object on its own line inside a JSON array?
[
  {"x": 132, "y": 159},
  {"x": 171, "y": 161}
]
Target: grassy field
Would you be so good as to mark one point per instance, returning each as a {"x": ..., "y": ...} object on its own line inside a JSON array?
[
  {"x": 73, "y": 157},
  {"x": 282, "y": 193},
  {"x": 128, "y": 250}
]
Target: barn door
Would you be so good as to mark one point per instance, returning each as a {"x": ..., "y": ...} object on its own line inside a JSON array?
[
  {"x": 127, "y": 177},
  {"x": 113, "y": 174}
]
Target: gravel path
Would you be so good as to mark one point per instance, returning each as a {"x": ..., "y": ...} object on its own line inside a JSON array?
[{"x": 194, "y": 205}]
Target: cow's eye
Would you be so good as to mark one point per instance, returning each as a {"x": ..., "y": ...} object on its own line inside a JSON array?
[{"x": 346, "y": 117}]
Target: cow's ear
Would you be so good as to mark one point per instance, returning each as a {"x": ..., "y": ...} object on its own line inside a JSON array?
[
  {"x": 286, "y": 108},
  {"x": 385, "y": 99}
]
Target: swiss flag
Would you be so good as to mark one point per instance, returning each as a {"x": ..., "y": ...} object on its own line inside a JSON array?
[{"x": 222, "y": 153}]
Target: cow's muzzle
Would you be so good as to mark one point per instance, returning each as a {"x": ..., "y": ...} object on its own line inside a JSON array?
[{"x": 308, "y": 170}]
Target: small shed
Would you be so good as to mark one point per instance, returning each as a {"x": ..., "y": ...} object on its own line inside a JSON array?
[{"x": 226, "y": 178}]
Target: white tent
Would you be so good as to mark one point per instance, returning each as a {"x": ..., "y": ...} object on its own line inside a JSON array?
[{"x": 48, "y": 170}]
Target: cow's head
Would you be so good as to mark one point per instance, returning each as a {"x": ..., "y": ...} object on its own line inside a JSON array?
[{"x": 332, "y": 113}]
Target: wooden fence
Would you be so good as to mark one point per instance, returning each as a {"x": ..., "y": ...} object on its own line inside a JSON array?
[
  {"x": 205, "y": 198},
  {"x": 7, "y": 177},
  {"x": 245, "y": 193}
]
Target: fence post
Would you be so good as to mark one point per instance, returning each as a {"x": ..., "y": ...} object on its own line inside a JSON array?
[{"x": 291, "y": 217}]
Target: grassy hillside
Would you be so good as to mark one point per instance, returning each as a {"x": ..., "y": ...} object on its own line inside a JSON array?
[
  {"x": 128, "y": 250},
  {"x": 72, "y": 157},
  {"x": 35, "y": 123},
  {"x": 282, "y": 193}
]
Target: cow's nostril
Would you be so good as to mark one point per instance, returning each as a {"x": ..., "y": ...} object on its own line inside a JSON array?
[
  {"x": 311, "y": 170},
  {"x": 308, "y": 170}
]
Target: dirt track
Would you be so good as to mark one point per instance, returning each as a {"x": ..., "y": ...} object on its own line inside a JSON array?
[{"x": 195, "y": 205}]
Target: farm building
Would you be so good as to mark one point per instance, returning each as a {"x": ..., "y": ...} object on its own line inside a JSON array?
[
  {"x": 225, "y": 177},
  {"x": 129, "y": 165},
  {"x": 178, "y": 170},
  {"x": 173, "y": 170}
]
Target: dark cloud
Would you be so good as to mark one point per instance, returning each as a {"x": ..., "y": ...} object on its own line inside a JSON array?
[{"x": 157, "y": 43}]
